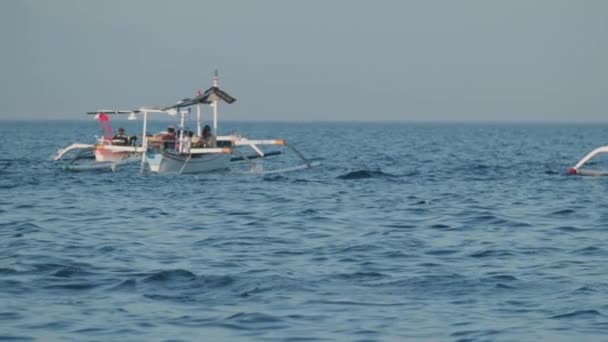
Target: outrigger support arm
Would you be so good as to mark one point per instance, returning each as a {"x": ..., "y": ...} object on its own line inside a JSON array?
[
  {"x": 77, "y": 146},
  {"x": 245, "y": 141},
  {"x": 308, "y": 163},
  {"x": 243, "y": 157},
  {"x": 253, "y": 142},
  {"x": 185, "y": 163}
]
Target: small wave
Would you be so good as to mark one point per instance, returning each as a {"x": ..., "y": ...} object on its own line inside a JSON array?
[
  {"x": 503, "y": 277},
  {"x": 479, "y": 167},
  {"x": 359, "y": 248},
  {"x": 46, "y": 267},
  {"x": 9, "y": 186},
  {"x": 570, "y": 229},
  {"x": 359, "y": 276},
  {"x": 16, "y": 338},
  {"x": 128, "y": 284},
  {"x": 89, "y": 330},
  {"x": 5, "y": 164},
  {"x": 412, "y": 173},
  {"x": 13, "y": 286},
  {"x": 25, "y": 206},
  {"x": 474, "y": 335},
  {"x": 9, "y": 316},
  {"x": 18, "y": 229},
  {"x": 308, "y": 212},
  {"x": 180, "y": 277},
  {"x": 150, "y": 211},
  {"x": 490, "y": 218},
  {"x": 351, "y": 303},
  {"x": 239, "y": 213},
  {"x": 4, "y": 270},
  {"x": 449, "y": 285},
  {"x": 400, "y": 225},
  {"x": 563, "y": 212},
  {"x": 480, "y": 171},
  {"x": 504, "y": 286},
  {"x": 590, "y": 250},
  {"x": 584, "y": 290},
  {"x": 578, "y": 314},
  {"x": 168, "y": 275},
  {"x": 72, "y": 286},
  {"x": 254, "y": 317},
  {"x": 106, "y": 249},
  {"x": 490, "y": 253},
  {"x": 27, "y": 227},
  {"x": 272, "y": 284},
  {"x": 243, "y": 321},
  {"x": 170, "y": 297},
  {"x": 184, "y": 321},
  {"x": 274, "y": 178},
  {"x": 396, "y": 255},
  {"x": 443, "y": 251},
  {"x": 440, "y": 226},
  {"x": 70, "y": 271},
  {"x": 362, "y": 174}
]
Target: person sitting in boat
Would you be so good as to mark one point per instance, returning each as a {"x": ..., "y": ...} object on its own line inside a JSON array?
[
  {"x": 120, "y": 138},
  {"x": 208, "y": 139},
  {"x": 169, "y": 138}
]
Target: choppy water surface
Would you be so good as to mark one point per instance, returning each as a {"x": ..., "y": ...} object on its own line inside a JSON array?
[{"x": 421, "y": 232}]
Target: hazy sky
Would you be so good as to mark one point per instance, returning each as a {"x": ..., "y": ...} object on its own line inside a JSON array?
[{"x": 430, "y": 60}]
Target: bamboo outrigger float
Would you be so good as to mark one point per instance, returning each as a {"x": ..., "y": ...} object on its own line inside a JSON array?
[{"x": 185, "y": 152}]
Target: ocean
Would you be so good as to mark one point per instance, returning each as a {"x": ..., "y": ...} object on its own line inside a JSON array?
[{"x": 405, "y": 232}]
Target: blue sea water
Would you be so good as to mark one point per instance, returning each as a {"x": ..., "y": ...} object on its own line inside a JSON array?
[{"x": 406, "y": 232}]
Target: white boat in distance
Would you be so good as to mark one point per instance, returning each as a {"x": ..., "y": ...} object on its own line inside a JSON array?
[
  {"x": 578, "y": 170},
  {"x": 185, "y": 151}
]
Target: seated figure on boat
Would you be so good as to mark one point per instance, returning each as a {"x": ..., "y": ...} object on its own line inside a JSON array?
[
  {"x": 168, "y": 138},
  {"x": 208, "y": 139},
  {"x": 120, "y": 138}
]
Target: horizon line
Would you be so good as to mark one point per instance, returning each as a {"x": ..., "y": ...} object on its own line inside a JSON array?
[{"x": 380, "y": 121}]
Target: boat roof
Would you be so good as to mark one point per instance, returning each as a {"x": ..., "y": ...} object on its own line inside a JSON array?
[
  {"x": 207, "y": 97},
  {"x": 110, "y": 111},
  {"x": 138, "y": 110}
]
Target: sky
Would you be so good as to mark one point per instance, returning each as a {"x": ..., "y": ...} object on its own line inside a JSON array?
[{"x": 336, "y": 60}]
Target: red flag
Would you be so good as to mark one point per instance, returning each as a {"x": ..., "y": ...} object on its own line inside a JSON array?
[{"x": 104, "y": 122}]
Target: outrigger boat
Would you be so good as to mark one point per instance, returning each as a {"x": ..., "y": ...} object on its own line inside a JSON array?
[
  {"x": 184, "y": 152},
  {"x": 578, "y": 170},
  {"x": 108, "y": 152}
]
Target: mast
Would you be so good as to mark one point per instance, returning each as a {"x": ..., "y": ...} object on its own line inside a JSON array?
[
  {"x": 198, "y": 116},
  {"x": 144, "y": 143},
  {"x": 216, "y": 83}
]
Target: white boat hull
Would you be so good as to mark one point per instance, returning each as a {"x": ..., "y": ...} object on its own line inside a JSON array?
[
  {"x": 163, "y": 162},
  {"x": 577, "y": 169},
  {"x": 109, "y": 156}
]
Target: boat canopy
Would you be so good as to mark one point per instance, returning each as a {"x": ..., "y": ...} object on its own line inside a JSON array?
[
  {"x": 209, "y": 96},
  {"x": 110, "y": 111},
  {"x": 215, "y": 91}
]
